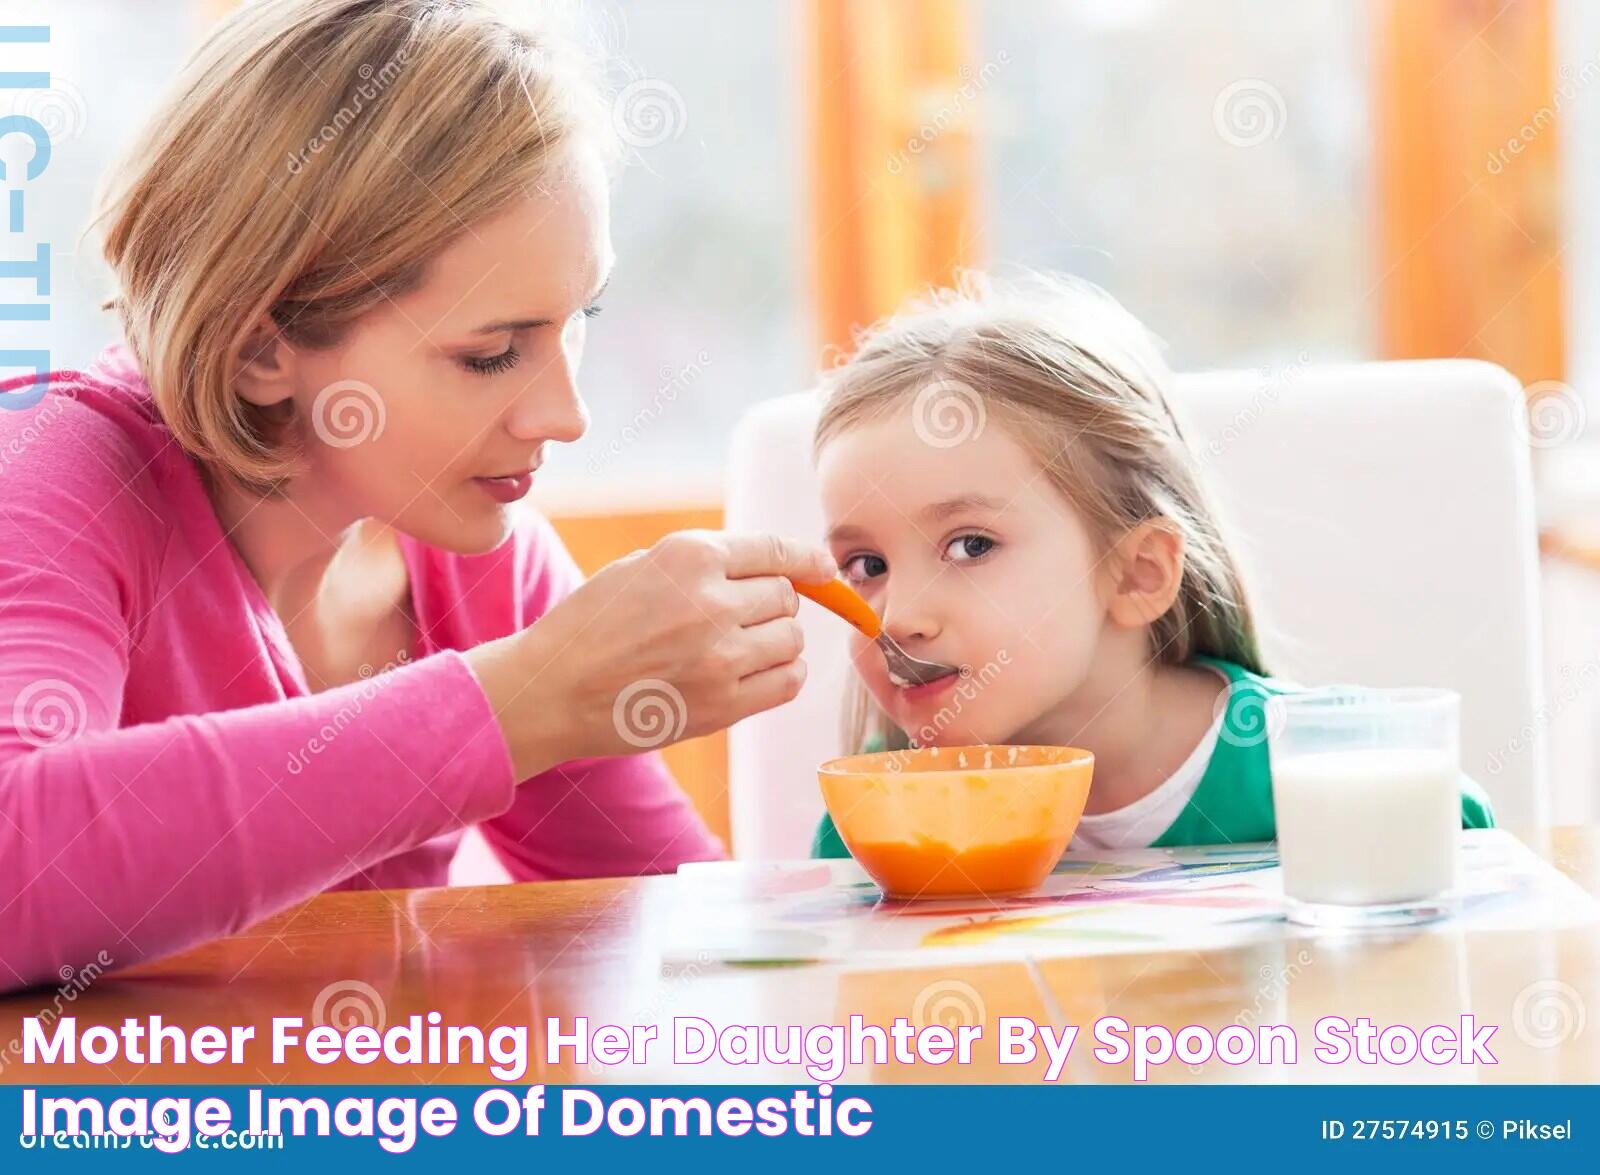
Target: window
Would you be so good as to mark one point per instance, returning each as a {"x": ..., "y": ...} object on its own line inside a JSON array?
[{"x": 1208, "y": 164}]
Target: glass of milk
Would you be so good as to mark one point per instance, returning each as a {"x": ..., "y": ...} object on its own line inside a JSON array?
[{"x": 1367, "y": 788}]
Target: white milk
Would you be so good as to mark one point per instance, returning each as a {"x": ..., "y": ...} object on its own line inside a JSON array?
[{"x": 1367, "y": 827}]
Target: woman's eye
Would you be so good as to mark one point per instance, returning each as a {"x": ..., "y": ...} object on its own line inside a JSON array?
[
  {"x": 860, "y": 568},
  {"x": 969, "y": 547},
  {"x": 492, "y": 364}
]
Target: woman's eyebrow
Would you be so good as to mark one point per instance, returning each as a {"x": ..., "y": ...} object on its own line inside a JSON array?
[
  {"x": 511, "y": 324},
  {"x": 530, "y": 323}
]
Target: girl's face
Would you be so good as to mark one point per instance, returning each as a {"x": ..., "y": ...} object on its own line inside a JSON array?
[
  {"x": 435, "y": 409},
  {"x": 971, "y": 557}
]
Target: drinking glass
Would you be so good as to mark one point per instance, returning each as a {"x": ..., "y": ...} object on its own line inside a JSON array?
[{"x": 1367, "y": 788}]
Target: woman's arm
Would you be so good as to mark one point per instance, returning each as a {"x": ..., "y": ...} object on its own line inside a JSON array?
[
  {"x": 144, "y": 840},
  {"x": 598, "y": 817}
]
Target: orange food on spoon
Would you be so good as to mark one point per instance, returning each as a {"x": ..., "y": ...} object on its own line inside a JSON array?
[{"x": 844, "y": 602}]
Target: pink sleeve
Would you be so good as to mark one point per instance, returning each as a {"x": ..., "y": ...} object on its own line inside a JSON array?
[
  {"x": 613, "y": 817},
  {"x": 144, "y": 840}
]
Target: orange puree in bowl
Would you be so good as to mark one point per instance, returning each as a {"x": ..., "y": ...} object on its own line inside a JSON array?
[{"x": 930, "y": 868}]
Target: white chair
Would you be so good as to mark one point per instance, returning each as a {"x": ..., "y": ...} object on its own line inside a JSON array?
[{"x": 1384, "y": 516}]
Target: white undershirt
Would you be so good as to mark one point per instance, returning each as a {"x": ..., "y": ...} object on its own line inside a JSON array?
[{"x": 1136, "y": 825}]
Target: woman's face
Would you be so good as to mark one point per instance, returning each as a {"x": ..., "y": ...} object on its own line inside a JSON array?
[
  {"x": 972, "y": 557},
  {"x": 435, "y": 409}
]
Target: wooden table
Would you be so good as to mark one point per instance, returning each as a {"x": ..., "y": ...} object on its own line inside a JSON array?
[{"x": 520, "y": 954}]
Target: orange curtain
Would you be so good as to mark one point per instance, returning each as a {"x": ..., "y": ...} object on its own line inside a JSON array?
[
  {"x": 894, "y": 167},
  {"x": 1468, "y": 110}
]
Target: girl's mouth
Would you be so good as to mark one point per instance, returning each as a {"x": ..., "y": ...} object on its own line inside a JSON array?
[{"x": 917, "y": 693}]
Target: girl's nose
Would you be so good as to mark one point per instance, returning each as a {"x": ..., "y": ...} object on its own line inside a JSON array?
[{"x": 909, "y": 617}]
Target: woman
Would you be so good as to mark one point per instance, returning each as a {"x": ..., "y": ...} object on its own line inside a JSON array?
[{"x": 267, "y": 610}]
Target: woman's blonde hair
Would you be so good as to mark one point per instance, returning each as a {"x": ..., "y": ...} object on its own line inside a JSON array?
[
  {"x": 1081, "y": 384},
  {"x": 309, "y": 161}
]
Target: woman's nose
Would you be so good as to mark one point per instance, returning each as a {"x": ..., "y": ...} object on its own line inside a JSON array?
[{"x": 550, "y": 407}]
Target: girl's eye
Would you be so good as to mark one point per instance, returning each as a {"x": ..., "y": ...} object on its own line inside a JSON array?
[
  {"x": 492, "y": 364},
  {"x": 860, "y": 568},
  {"x": 592, "y": 311},
  {"x": 969, "y": 547}
]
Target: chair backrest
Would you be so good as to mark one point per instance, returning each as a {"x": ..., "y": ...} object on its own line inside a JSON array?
[{"x": 1383, "y": 513}]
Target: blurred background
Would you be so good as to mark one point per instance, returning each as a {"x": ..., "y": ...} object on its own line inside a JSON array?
[{"x": 1261, "y": 183}]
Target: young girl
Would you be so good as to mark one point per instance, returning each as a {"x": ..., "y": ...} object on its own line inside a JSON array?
[{"x": 1005, "y": 483}]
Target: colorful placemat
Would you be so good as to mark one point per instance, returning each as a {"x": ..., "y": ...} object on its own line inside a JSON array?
[{"x": 1136, "y": 900}]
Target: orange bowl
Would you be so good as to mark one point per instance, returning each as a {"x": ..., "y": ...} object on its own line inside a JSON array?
[{"x": 958, "y": 821}]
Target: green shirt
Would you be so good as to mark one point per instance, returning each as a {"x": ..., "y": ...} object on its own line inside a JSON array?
[{"x": 1233, "y": 801}]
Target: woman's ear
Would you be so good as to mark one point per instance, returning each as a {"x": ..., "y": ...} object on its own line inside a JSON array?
[
  {"x": 266, "y": 366},
  {"x": 1147, "y": 564}
]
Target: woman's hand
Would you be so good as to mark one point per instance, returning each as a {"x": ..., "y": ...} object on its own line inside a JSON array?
[{"x": 677, "y": 641}]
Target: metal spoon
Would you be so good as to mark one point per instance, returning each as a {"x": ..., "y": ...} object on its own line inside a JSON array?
[{"x": 844, "y": 601}]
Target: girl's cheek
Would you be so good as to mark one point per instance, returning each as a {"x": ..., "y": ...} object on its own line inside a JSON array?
[
  {"x": 861, "y": 651},
  {"x": 869, "y": 666}
]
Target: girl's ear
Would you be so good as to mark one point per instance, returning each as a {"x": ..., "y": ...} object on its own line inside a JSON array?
[
  {"x": 1147, "y": 565},
  {"x": 266, "y": 366}
]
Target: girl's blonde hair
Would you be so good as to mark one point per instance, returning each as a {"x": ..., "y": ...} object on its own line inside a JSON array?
[
  {"x": 1081, "y": 383},
  {"x": 308, "y": 162}
]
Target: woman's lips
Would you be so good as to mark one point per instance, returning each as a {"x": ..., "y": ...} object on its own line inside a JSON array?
[{"x": 506, "y": 489}]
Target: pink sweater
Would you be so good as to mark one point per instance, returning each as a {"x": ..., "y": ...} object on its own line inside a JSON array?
[{"x": 166, "y": 777}]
